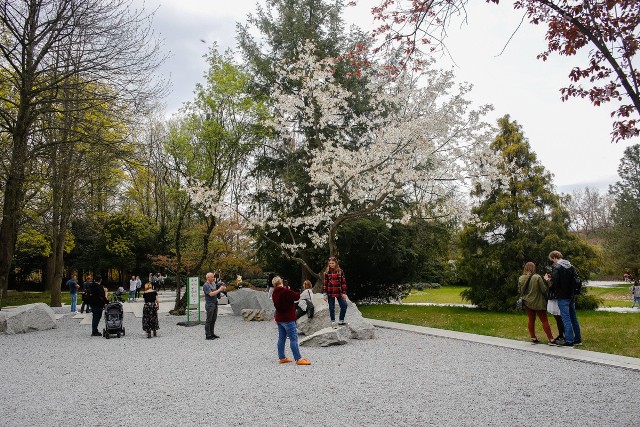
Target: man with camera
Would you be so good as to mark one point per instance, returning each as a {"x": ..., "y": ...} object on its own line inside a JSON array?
[{"x": 211, "y": 294}]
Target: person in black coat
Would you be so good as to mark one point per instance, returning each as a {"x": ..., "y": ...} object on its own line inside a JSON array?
[{"x": 97, "y": 300}]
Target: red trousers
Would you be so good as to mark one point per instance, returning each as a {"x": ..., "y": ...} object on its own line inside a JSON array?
[{"x": 542, "y": 315}]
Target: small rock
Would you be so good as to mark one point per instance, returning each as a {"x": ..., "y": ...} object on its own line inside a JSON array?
[{"x": 327, "y": 337}]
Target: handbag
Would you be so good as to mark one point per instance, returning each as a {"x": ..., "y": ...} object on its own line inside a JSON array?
[{"x": 520, "y": 302}]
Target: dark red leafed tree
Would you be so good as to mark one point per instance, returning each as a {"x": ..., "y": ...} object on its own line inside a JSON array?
[{"x": 608, "y": 29}]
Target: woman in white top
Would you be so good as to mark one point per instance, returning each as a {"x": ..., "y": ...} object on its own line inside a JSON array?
[{"x": 306, "y": 294}]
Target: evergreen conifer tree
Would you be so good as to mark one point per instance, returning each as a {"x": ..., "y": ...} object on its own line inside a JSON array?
[{"x": 519, "y": 219}]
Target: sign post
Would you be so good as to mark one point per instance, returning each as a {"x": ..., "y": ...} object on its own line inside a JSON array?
[{"x": 193, "y": 295}]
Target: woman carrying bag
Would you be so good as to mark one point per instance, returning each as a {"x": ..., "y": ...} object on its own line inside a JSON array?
[{"x": 533, "y": 290}]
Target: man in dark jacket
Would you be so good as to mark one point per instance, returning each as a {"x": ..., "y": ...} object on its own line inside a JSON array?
[
  {"x": 85, "y": 295},
  {"x": 97, "y": 300},
  {"x": 562, "y": 280}
]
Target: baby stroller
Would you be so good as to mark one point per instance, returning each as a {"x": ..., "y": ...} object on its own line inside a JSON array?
[
  {"x": 113, "y": 318},
  {"x": 118, "y": 294}
]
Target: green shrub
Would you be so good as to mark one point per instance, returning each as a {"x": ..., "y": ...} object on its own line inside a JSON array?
[
  {"x": 588, "y": 302},
  {"x": 421, "y": 286}
]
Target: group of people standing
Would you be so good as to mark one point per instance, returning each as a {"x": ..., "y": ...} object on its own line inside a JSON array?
[
  {"x": 95, "y": 296},
  {"x": 555, "y": 294},
  {"x": 135, "y": 284},
  {"x": 289, "y": 304}
]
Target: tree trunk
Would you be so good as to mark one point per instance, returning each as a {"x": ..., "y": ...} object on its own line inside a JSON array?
[{"x": 12, "y": 207}]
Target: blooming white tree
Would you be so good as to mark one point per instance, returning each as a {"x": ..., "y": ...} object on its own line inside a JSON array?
[{"x": 401, "y": 157}]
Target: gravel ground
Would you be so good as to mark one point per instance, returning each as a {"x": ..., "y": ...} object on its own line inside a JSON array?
[{"x": 65, "y": 377}]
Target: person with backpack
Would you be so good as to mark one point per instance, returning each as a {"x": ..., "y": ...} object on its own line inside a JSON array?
[
  {"x": 305, "y": 305},
  {"x": 635, "y": 293},
  {"x": 563, "y": 279}
]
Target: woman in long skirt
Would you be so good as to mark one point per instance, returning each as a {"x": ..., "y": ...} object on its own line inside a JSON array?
[{"x": 150, "y": 310}]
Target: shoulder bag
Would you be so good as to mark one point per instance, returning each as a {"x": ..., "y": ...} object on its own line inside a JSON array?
[{"x": 520, "y": 302}]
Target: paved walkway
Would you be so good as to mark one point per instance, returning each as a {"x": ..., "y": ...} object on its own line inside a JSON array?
[{"x": 562, "y": 352}]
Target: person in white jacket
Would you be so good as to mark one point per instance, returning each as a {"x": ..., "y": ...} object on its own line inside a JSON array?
[{"x": 305, "y": 295}]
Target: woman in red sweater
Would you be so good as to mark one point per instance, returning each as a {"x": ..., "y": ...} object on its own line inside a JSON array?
[{"x": 284, "y": 301}]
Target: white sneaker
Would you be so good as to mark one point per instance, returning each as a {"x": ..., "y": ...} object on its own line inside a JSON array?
[
  {"x": 334, "y": 325},
  {"x": 343, "y": 323}
]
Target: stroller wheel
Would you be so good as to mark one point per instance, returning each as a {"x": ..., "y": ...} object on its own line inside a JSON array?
[
  {"x": 123, "y": 331},
  {"x": 118, "y": 334},
  {"x": 108, "y": 335}
]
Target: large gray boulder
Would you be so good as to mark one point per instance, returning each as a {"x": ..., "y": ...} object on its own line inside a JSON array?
[
  {"x": 27, "y": 318},
  {"x": 358, "y": 327},
  {"x": 327, "y": 337},
  {"x": 244, "y": 298}
]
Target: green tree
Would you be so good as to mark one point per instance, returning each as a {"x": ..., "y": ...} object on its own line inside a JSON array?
[
  {"x": 518, "y": 219},
  {"x": 126, "y": 239},
  {"x": 45, "y": 46},
  {"x": 623, "y": 240},
  {"x": 209, "y": 146},
  {"x": 283, "y": 26}
]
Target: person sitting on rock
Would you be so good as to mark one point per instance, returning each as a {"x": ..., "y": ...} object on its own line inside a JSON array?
[{"x": 306, "y": 294}]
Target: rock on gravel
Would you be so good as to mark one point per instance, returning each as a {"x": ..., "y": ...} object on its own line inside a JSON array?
[{"x": 27, "y": 318}]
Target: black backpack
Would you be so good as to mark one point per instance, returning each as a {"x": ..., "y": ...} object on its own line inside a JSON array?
[{"x": 576, "y": 281}]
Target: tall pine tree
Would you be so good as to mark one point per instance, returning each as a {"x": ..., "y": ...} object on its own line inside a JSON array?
[{"x": 519, "y": 219}]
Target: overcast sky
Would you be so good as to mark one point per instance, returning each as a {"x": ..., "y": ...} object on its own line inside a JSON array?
[{"x": 571, "y": 139}]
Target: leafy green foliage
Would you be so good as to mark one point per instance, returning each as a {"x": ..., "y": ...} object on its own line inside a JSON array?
[
  {"x": 519, "y": 219},
  {"x": 624, "y": 236}
]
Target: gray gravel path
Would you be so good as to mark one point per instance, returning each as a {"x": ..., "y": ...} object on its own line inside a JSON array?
[{"x": 65, "y": 377}]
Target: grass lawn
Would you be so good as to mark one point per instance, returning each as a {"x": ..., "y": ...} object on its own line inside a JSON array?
[
  {"x": 443, "y": 295},
  {"x": 618, "y": 296},
  {"x": 615, "y": 333},
  {"x": 22, "y": 298}
]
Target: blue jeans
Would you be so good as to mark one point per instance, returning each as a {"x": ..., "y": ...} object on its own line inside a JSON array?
[
  {"x": 636, "y": 300},
  {"x": 288, "y": 329},
  {"x": 74, "y": 302},
  {"x": 332, "y": 308},
  {"x": 132, "y": 295},
  {"x": 570, "y": 320}
]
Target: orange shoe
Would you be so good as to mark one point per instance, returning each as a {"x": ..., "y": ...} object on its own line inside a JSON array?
[
  {"x": 285, "y": 360},
  {"x": 303, "y": 361}
]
